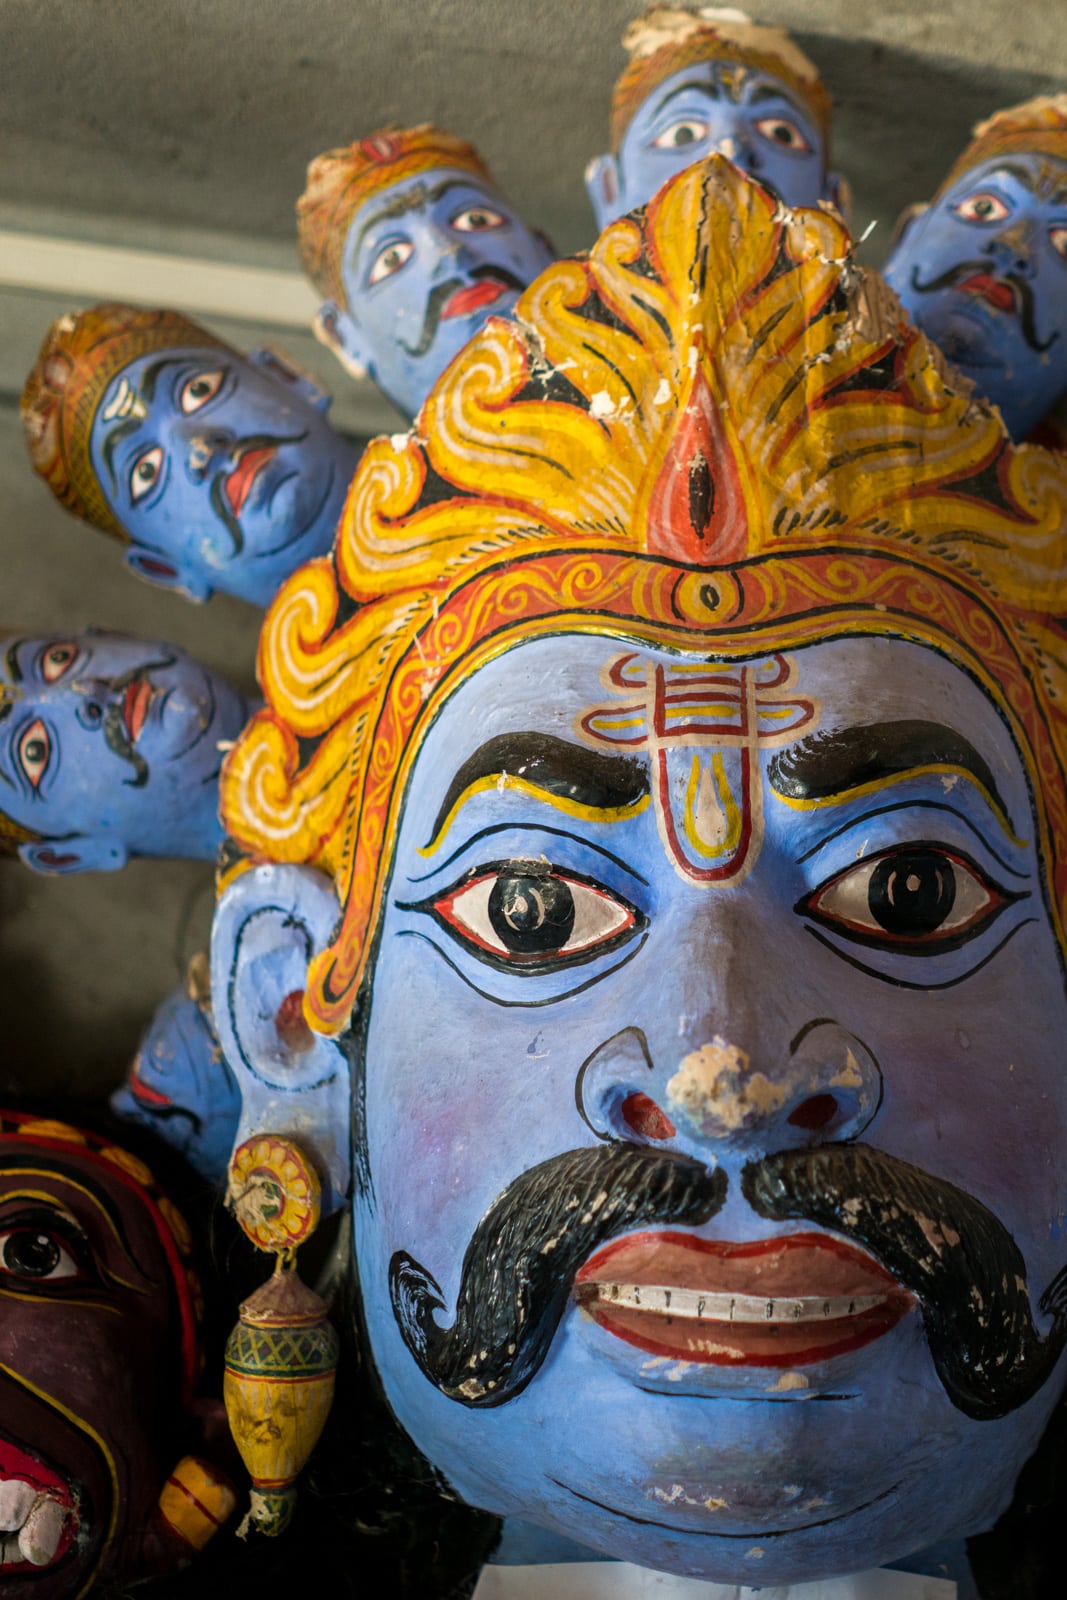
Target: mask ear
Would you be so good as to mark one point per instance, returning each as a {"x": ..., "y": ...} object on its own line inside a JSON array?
[
  {"x": 602, "y": 185},
  {"x": 268, "y": 924},
  {"x": 165, "y": 574},
  {"x": 838, "y": 191},
  {"x": 54, "y": 857},
  {"x": 278, "y": 364},
  {"x": 334, "y": 328}
]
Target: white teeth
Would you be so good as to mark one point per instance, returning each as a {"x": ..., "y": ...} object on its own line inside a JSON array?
[
  {"x": 699, "y": 1306},
  {"x": 42, "y": 1531},
  {"x": 16, "y": 1501}
]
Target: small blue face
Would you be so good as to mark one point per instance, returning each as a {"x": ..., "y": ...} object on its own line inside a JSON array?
[
  {"x": 111, "y": 748},
  {"x": 223, "y": 471},
  {"x": 425, "y": 263},
  {"x": 983, "y": 272},
  {"x": 714, "y": 107},
  {"x": 180, "y": 1088},
  {"x": 775, "y": 928}
]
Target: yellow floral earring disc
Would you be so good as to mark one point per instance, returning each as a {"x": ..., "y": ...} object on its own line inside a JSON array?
[{"x": 274, "y": 1192}]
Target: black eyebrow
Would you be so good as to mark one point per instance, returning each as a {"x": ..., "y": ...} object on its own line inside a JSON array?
[
  {"x": 703, "y": 85},
  {"x": 572, "y": 771},
  {"x": 775, "y": 91},
  {"x": 150, "y": 376},
  {"x": 414, "y": 200},
  {"x": 11, "y": 659},
  {"x": 825, "y": 765},
  {"x": 113, "y": 440},
  {"x": 1034, "y": 184}
]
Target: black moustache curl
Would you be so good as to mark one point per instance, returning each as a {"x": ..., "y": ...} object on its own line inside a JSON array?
[
  {"x": 956, "y": 1257},
  {"x": 520, "y": 1263}
]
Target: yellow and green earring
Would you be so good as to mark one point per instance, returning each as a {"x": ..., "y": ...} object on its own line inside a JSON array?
[{"x": 281, "y": 1358}]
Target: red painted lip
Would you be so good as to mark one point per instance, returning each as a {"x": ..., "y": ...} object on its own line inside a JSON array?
[
  {"x": 137, "y": 699},
  {"x": 143, "y": 1092},
  {"x": 464, "y": 301},
  {"x": 16, "y": 1463},
  {"x": 239, "y": 483},
  {"x": 999, "y": 293},
  {"x": 801, "y": 1298}
]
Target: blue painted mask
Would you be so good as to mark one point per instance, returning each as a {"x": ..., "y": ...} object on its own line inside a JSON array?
[
  {"x": 580, "y": 1020},
  {"x": 110, "y": 747},
  {"x": 425, "y": 262},
  {"x": 222, "y": 469},
  {"x": 983, "y": 272},
  {"x": 180, "y": 1088},
  {"x": 714, "y": 106}
]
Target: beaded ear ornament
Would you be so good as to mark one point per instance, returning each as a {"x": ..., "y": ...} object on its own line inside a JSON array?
[{"x": 281, "y": 1358}]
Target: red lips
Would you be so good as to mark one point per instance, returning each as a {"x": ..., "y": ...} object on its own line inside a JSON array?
[
  {"x": 137, "y": 699},
  {"x": 239, "y": 483},
  {"x": 18, "y": 1467},
  {"x": 772, "y": 1303},
  {"x": 999, "y": 294},
  {"x": 464, "y": 301}
]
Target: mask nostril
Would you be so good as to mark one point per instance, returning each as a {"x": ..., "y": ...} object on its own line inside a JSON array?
[
  {"x": 646, "y": 1119},
  {"x": 814, "y": 1112}
]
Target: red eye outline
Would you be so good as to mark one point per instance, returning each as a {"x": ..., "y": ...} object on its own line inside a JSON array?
[
  {"x": 475, "y": 888},
  {"x": 34, "y": 767},
  {"x": 800, "y": 146},
  {"x": 380, "y": 271},
  {"x": 498, "y": 219},
  {"x": 189, "y": 403},
  {"x": 139, "y": 487},
  {"x": 971, "y": 200},
  {"x": 935, "y": 942},
  {"x": 665, "y": 141},
  {"x": 50, "y": 671}
]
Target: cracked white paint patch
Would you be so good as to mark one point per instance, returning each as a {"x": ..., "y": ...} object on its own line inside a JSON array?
[{"x": 716, "y": 1091}]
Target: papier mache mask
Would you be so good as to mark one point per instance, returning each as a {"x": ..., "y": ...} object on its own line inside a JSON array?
[
  {"x": 982, "y": 269},
  {"x": 707, "y": 80},
  {"x": 216, "y": 470},
  {"x": 412, "y": 246},
  {"x": 99, "y": 1361},
  {"x": 110, "y": 747},
  {"x": 680, "y": 724}
]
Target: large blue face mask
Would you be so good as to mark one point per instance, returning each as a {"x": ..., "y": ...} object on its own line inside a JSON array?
[
  {"x": 714, "y": 106},
  {"x": 223, "y": 470},
  {"x": 111, "y": 747},
  {"x": 425, "y": 263},
  {"x": 983, "y": 272}
]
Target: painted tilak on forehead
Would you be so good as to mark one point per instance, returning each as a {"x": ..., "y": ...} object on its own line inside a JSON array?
[{"x": 703, "y": 729}]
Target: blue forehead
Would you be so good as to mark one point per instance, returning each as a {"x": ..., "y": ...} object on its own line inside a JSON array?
[{"x": 719, "y": 84}]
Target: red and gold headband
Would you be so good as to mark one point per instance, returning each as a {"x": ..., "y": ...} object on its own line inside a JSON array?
[
  {"x": 851, "y": 487},
  {"x": 45, "y": 1133},
  {"x": 81, "y": 353},
  {"x": 340, "y": 181},
  {"x": 1036, "y": 126},
  {"x": 667, "y": 38}
]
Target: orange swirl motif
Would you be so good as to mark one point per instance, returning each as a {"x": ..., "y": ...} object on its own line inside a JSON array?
[{"x": 713, "y": 433}]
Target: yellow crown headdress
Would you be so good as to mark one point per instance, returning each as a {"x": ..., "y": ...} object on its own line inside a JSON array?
[
  {"x": 1038, "y": 125},
  {"x": 81, "y": 353},
  {"x": 340, "y": 181},
  {"x": 713, "y": 434},
  {"x": 666, "y": 38}
]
